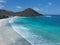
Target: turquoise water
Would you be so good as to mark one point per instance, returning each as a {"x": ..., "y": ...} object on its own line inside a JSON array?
[{"x": 39, "y": 30}]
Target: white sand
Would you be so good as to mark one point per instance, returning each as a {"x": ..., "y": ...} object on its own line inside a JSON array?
[{"x": 8, "y": 36}]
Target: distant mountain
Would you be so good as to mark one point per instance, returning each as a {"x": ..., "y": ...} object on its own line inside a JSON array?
[{"x": 28, "y": 13}]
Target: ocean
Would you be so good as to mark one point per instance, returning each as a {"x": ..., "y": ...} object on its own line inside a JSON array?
[{"x": 38, "y": 30}]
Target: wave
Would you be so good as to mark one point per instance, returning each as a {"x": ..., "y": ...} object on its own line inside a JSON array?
[{"x": 30, "y": 36}]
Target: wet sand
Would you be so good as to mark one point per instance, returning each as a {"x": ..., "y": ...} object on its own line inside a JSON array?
[{"x": 8, "y": 36}]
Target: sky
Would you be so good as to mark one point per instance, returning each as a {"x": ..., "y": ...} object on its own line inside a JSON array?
[{"x": 41, "y": 6}]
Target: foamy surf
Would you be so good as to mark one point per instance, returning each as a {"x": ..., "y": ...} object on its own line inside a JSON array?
[{"x": 31, "y": 37}]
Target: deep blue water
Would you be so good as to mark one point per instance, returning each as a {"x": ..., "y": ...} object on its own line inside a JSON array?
[{"x": 39, "y": 30}]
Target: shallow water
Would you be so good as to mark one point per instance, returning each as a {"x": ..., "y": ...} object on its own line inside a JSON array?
[{"x": 39, "y": 30}]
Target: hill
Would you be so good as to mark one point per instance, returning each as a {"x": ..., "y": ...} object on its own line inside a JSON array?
[
  {"x": 5, "y": 13},
  {"x": 26, "y": 13}
]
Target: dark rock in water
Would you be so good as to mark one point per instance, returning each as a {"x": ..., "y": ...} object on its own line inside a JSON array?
[{"x": 28, "y": 13}]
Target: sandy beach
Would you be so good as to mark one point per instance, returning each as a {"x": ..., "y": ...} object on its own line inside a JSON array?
[{"x": 8, "y": 36}]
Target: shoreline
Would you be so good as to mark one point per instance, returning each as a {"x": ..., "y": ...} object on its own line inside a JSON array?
[
  {"x": 16, "y": 30},
  {"x": 21, "y": 35},
  {"x": 9, "y": 36}
]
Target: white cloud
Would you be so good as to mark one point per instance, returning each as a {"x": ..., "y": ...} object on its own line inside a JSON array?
[
  {"x": 1, "y": 6},
  {"x": 3, "y": 1},
  {"x": 19, "y": 7},
  {"x": 49, "y": 3},
  {"x": 37, "y": 9}
]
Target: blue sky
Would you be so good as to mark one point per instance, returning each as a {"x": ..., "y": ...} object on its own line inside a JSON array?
[{"x": 42, "y": 6}]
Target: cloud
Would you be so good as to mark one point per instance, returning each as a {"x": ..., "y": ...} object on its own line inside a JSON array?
[
  {"x": 49, "y": 3},
  {"x": 19, "y": 7},
  {"x": 2, "y": 1},
  {"x": 37, "y": 9},
  {"x": 1, "y": 6}
]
